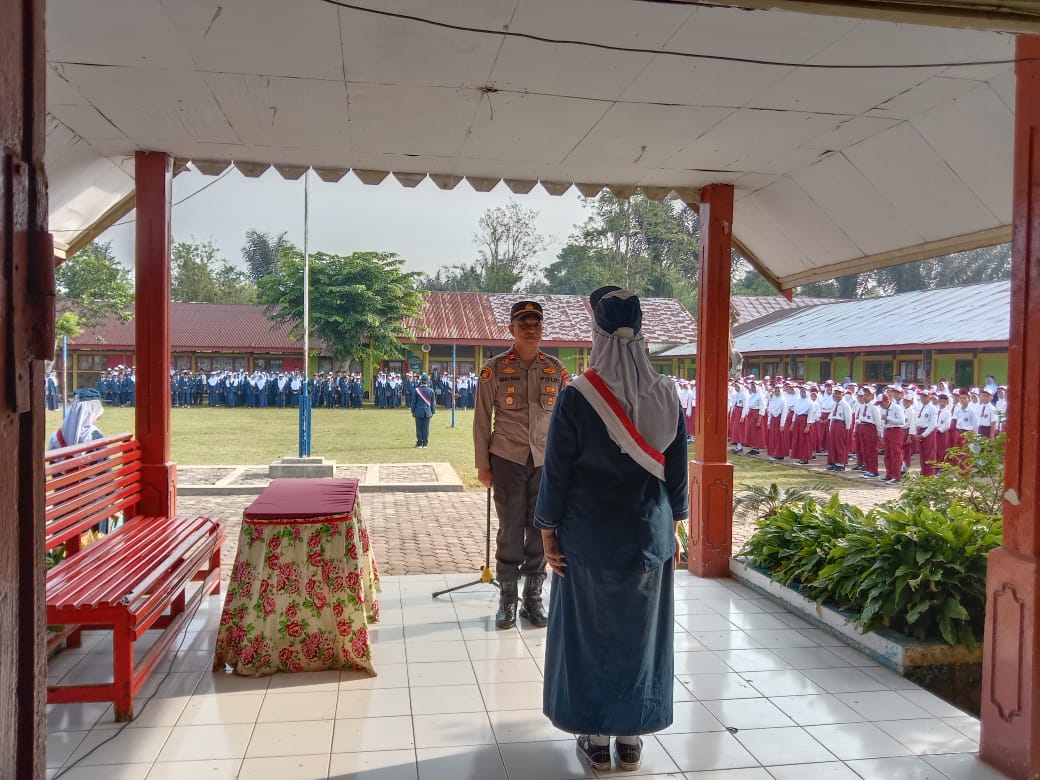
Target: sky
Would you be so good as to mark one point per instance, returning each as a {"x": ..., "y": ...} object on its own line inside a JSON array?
[{"x": 428, "y": 227}]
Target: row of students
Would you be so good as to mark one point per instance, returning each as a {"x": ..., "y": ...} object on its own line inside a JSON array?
[{"x": 802, "y": 420}]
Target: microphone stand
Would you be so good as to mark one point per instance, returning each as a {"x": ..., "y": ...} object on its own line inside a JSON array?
[{"x": 485, "y": 574}]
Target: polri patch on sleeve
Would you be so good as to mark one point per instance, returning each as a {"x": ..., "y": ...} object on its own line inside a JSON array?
[{"x": 485, "y": 373}]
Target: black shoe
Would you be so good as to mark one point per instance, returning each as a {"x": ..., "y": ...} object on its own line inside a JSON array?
[
  {"x": 752, "y": 452},
  {"x": 598, "y": 756},
  {"x": 857, "y": 468},
  {"x": 776, "y": 457},
  {"x": 628, "y": 756},
  {"x": 532, "y": 609},
  {"x": 839, "y": 467},
  {"x": 505, "y": 618},
  {"x": 804, "y": 462}
]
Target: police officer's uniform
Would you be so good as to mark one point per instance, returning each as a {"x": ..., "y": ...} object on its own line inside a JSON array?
[{"x": 522, "y": 397}]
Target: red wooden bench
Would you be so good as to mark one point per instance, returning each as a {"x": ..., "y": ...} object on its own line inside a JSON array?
[{"x": 131, "y": 580}]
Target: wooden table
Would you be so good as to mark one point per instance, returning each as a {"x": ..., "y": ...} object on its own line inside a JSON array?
[{"x": 303, "y": 588}]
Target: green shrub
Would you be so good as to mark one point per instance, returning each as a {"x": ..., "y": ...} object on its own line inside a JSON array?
[
  {"x": 760, "y": 501},
  {"x": 977, "y": 484},
  {"x": 794, "y": 542},
  {"x": 916, "y": 570}
]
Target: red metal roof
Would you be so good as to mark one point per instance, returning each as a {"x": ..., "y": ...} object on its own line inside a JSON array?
[
  {"x": 447, "y": 318},
  {"x": 483, "y": 318},
  {"x": 217, "y": 327}
]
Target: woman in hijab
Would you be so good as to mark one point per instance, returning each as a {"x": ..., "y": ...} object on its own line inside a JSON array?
[
  {"x": 79, "y": 426},
  {"x": 613, "y": 491}
]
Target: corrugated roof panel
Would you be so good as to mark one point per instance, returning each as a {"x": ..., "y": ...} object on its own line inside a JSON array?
[
  {"x": 483, "y": 318},
  {"x": 460, "y": 317},
  {"x": 974, "y": 314},
  {"x": 751, "y": 307}
]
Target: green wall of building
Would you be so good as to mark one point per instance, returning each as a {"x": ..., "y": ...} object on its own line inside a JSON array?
[
  {"x": 569, "y": 358},
  {"x": 995, "y": 364}
]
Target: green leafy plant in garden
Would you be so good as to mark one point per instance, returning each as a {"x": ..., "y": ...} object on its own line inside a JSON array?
[
  {"x": 917, "y": 566},
  {"x": 793, "y": 542},
  {"x": 761, "y": 501},
  {"x": 915, "y": 570}
]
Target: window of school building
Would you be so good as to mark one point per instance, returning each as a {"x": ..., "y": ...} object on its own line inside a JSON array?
[
  {"x": 912, "y": 370},
  {"x": 271, "y": 365},
  {"x": 878, "y": 371}
]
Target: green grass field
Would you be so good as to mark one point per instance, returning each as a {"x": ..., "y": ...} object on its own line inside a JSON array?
[{"x": 204, "y": 436}]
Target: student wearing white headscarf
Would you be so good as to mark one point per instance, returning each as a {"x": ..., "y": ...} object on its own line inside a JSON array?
[
  {"x": 79, "y": 427},
  {"x": 613, "y": 490}
]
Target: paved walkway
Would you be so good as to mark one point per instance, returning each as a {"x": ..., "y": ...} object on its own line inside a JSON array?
[{"x": 420, "y": 519}]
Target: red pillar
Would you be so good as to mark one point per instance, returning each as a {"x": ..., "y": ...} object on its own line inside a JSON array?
[
  {"x": 27, "y": 325},
  {"x": 711, "y": 475},
  {"x": 1010, "y": 683},
  {"x": 154, "y": 180}
]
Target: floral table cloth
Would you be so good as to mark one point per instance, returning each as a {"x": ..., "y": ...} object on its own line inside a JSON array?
[{"x": 302, "y": 591}]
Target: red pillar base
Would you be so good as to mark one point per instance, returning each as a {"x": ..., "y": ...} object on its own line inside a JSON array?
[
  {"x": 1011, "y": 735},
  {"x": 711, "y": 519},
  {"x": 158, "y": 490}
]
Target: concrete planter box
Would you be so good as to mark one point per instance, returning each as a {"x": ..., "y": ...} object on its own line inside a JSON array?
[{"x": 903, "y": 655}]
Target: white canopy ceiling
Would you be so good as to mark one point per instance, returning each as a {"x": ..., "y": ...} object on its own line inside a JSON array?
[{"x": 835, "y": 169}]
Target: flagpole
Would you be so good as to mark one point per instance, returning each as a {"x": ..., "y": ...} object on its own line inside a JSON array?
[{"x": 305, "y": 395}]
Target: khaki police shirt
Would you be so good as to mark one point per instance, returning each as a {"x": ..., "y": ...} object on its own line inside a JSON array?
[{"x": 522, "y": 401}]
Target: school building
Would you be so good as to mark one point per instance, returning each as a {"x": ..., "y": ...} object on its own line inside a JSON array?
[
  {"x": 959, "y": 334},
  {"x": 455, "y": 333}
]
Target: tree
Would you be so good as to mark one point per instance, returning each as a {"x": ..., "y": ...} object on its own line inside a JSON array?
[
  {"x": 359, "y": 301},
  {"x": 646, "y": 246},
  {"x": 746, "y": 280},
  {"x": 97, "y": 284},
  {"x": 578, "y": 270},
  {"x": 261, "y": 253},
  {"x": 198, "y": 278},
  {"x": 507, "y": 243}
]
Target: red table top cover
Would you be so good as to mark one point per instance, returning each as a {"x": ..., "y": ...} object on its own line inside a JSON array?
[{"x": 303, "y": 498}]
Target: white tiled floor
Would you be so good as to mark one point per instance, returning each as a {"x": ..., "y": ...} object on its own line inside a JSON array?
[{"x": 759, "y": 694}]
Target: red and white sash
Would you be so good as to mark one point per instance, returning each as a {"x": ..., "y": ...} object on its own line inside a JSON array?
[{"x": 619, "y": 425}]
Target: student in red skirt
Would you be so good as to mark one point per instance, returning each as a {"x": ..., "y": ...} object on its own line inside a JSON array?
[
  {"x": 802, "y": 427},
  {"x": 755, "y": 419},
  {"x": 927, "y": 434},
  {"x": 837, "y": 424},
  {"x": 869, "y": 429}
]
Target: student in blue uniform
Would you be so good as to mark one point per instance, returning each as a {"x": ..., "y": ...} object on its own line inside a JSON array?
[
  {"x": 423, "y": 408},
  {"x": 52, "y": 391},
  {"x": 613, "y": 492}
]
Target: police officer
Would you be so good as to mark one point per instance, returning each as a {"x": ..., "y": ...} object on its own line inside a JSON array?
[{"x": 520, "y": 387}]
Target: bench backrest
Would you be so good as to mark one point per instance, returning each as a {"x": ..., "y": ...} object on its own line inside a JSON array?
[{"x": 88, "y": 483}]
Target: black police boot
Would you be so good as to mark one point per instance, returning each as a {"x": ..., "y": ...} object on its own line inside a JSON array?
[
  {"x": 532, "y": 609},
  {"x": 506, "y": 615}
]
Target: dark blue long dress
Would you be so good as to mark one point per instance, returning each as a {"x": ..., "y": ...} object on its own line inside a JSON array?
[{"x": 609, "y": 655}]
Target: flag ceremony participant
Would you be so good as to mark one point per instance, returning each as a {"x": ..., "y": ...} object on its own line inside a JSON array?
[
  {"x": 837, "y": 424},
  {"x": 802, "y": 427},
  {"x": 869, "y": 430},
  {"x": 423, "y": 408},
  {"x": 614, "y": 489},
  {"x": 895, "y": 433},
  {"x": 516, "y": 394},
  {"x": 926, "y": 433}
]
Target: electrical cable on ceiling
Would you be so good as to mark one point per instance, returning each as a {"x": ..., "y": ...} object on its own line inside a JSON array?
[{"x": 663, "y": 52}]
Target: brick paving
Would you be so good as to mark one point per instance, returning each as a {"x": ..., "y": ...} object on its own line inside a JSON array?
[{"x": 429, "y": 532}]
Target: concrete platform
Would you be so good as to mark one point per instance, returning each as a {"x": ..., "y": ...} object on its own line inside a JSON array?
[{"x": 374, "y": 478}]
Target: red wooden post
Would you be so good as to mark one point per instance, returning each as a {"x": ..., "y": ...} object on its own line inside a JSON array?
[
  {"x": 711, "y": 475},
  {"x": 27, "y": 324},
  {"x": 1010, "y": 683},
  {"x": 154, "y": 180}
]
